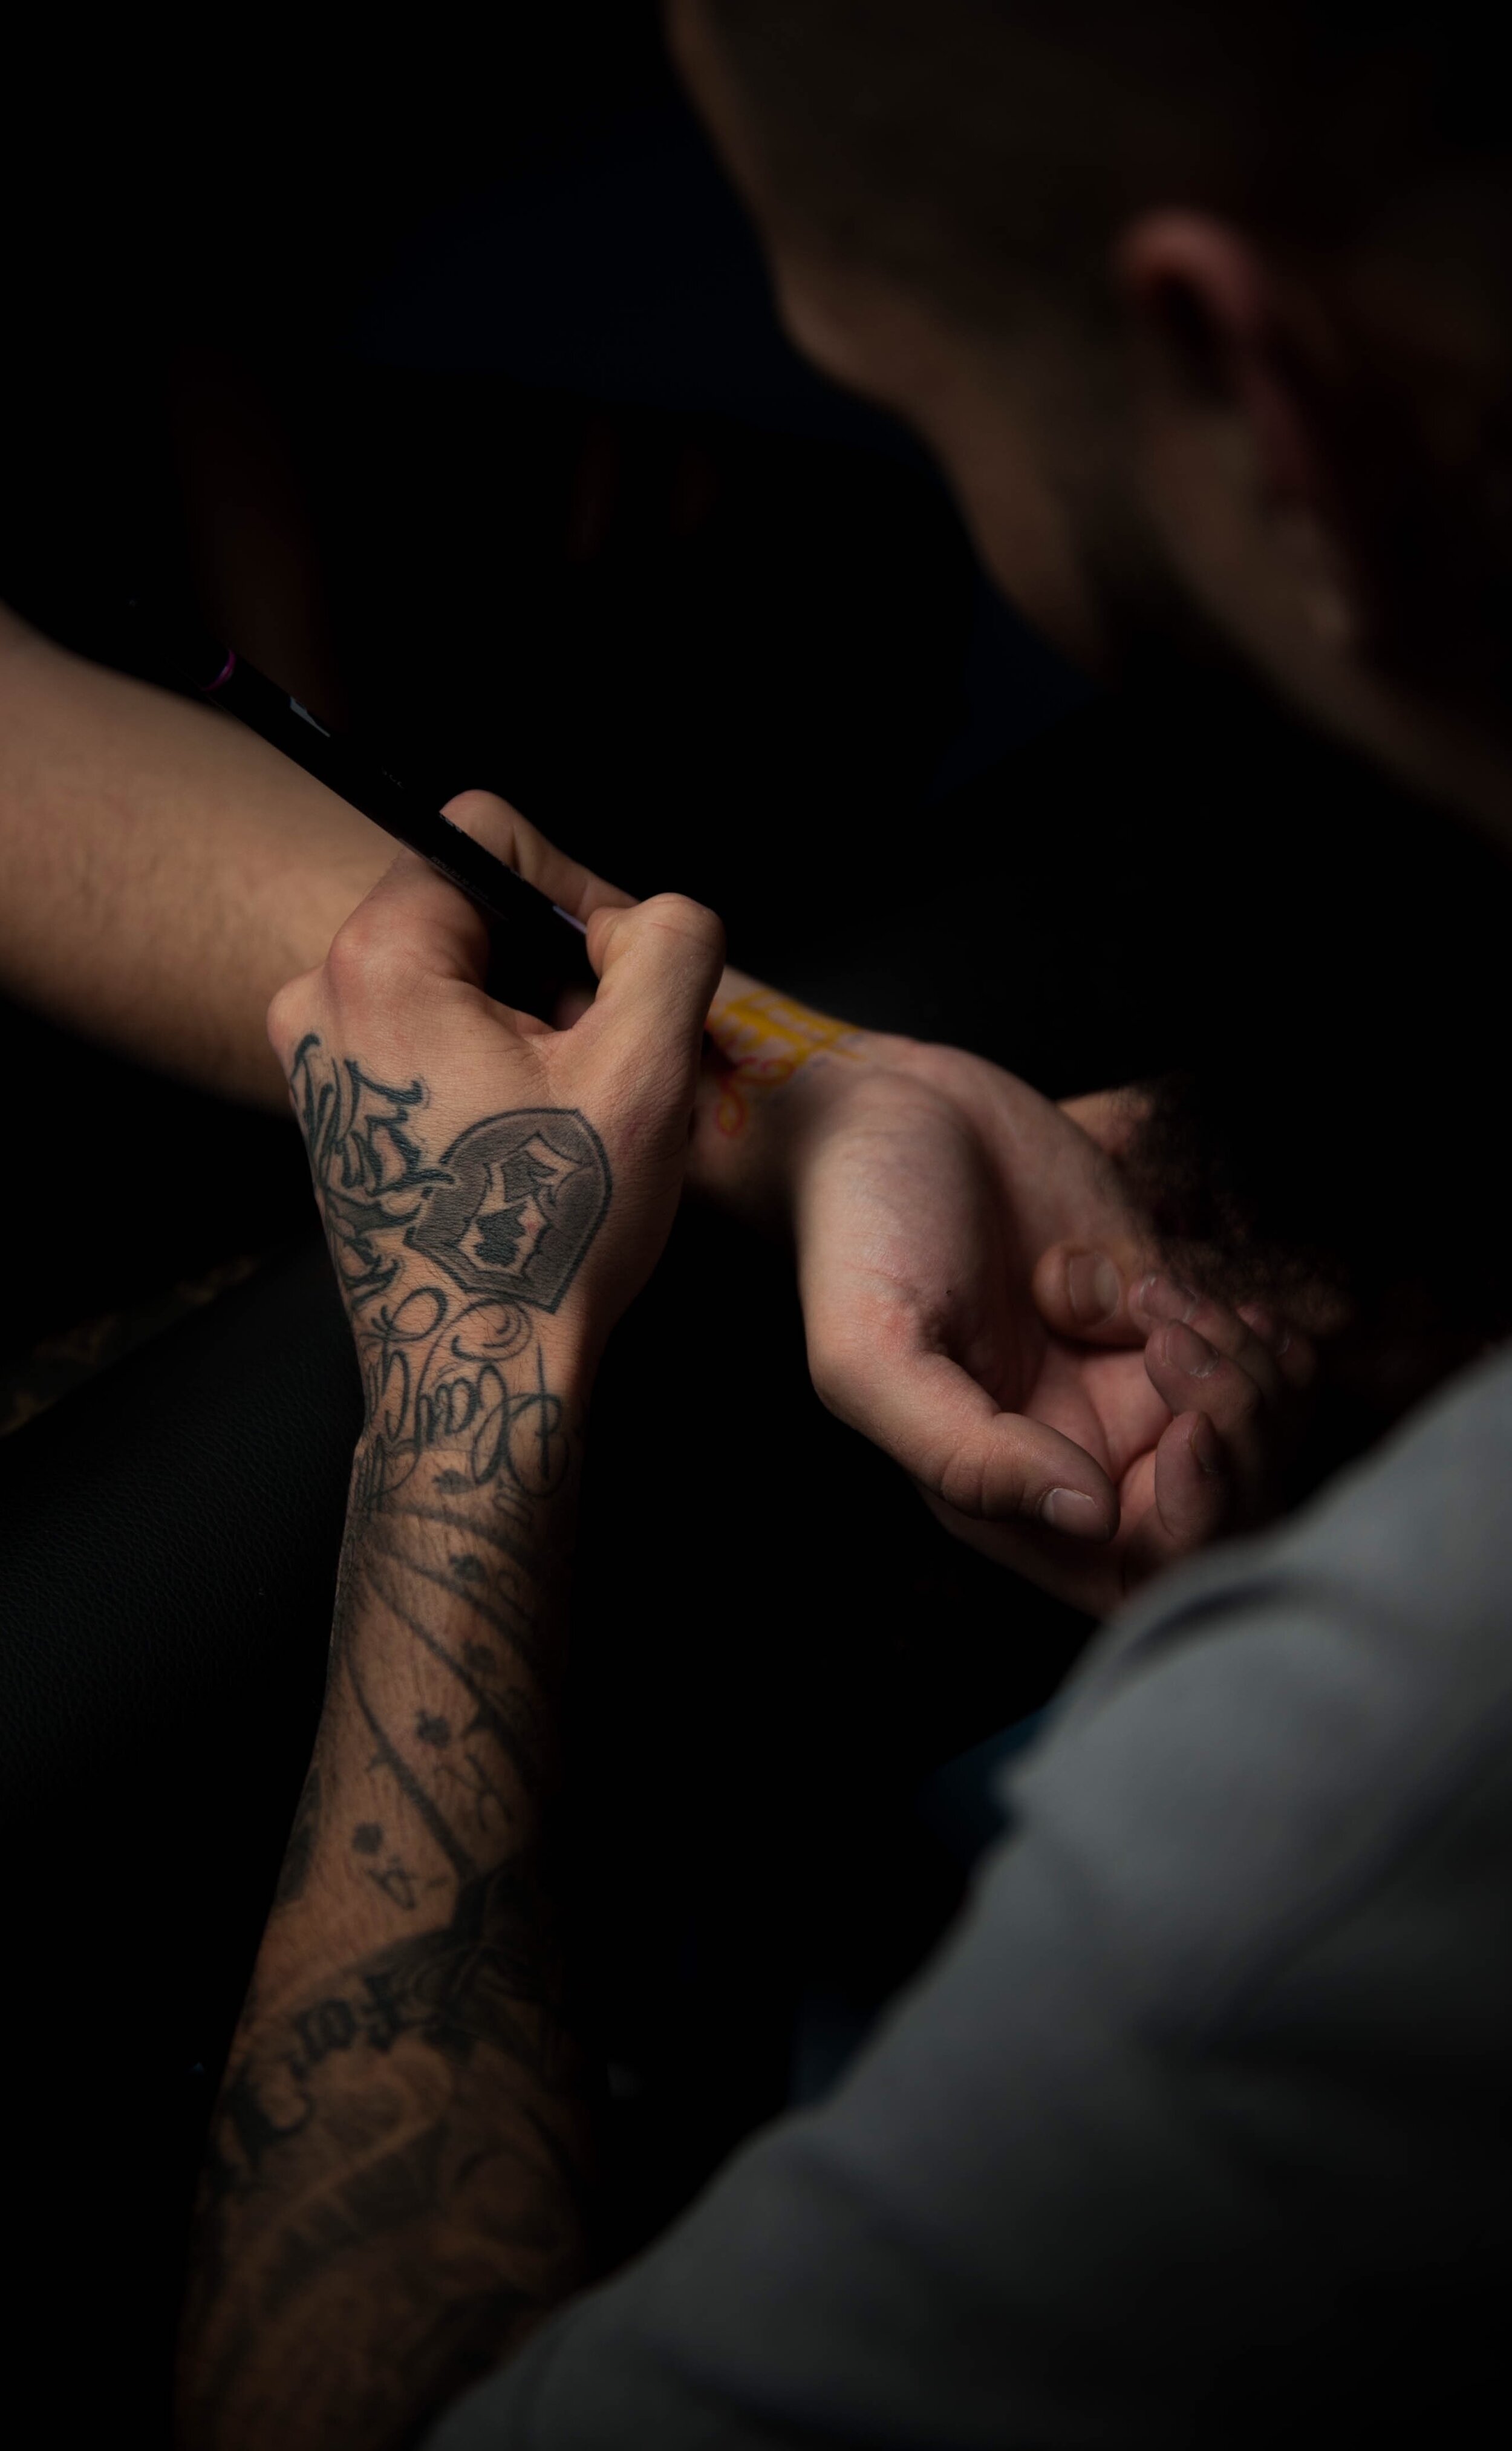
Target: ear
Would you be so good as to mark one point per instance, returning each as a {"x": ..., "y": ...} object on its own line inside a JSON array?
[{"x": 1227, "y": 342}]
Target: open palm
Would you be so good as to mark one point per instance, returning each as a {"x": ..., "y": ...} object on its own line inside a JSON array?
[{"x": 978, "y": 1299}]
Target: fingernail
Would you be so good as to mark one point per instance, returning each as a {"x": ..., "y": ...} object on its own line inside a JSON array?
[
  {"x": 1071, "y": 1510},
  {"x": 1163, "y": 1298},
  {"x": 1186, "y": 1350},
  {"x": 1092, "y": 1287},
  {"x": 1207, "y": 1447}
]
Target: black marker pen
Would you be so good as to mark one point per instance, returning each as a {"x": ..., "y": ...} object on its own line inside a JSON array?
[{"x": 538, "y": 947}]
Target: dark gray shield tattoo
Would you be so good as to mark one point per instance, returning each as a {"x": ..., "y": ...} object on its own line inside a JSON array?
[{"x": 527, "y": 1194}]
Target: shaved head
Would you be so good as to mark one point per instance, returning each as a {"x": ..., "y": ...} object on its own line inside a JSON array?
[
  {"x": 1257, "y": 247},
  {"x": 950, "y": 139}
]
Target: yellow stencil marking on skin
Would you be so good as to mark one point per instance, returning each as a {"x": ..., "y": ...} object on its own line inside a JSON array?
[{"x": 764, "y": 1039}]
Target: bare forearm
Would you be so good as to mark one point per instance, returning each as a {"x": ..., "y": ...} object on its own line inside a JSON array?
[{"x": 162, "y": 871}]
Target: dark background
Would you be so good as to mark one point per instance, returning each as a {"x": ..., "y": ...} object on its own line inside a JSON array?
[{"x": 433, "y": 362}]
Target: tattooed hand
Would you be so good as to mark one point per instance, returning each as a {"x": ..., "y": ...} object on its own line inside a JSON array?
[
  {"x": 463, "y": 1152},
  {"x": 392, "y": 2189}
]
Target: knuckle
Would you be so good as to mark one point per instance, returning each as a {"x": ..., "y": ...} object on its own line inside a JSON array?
[
  {"x": 693, "y": 920},
  {"x": 286, "y": 1014},
  {"x": 360, "y": 957}
]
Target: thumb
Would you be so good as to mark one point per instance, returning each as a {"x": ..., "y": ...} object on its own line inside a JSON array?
[
  {"x": 658, "y": 963},
  {"x": 935, "y": 1420},
  {"x": 1085, "y": 1291}
]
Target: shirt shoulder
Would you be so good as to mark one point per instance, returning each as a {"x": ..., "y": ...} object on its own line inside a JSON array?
[
  {"x": 1425, "y": 1520},
  {"x": 1220, "y": 2046},
  {"x": 1271, "y": 1728}
]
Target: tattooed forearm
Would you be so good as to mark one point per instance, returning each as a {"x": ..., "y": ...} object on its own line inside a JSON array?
[
  {"x": 394, "y": 2183},
  {"x": 395, "y": 2164}
]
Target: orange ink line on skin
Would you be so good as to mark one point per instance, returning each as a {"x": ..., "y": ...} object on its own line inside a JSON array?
[{"x": 765, "y": 1038}]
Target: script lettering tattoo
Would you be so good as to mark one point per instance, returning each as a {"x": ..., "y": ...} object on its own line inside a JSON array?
[
  {"x": 443, "y": 1265},
  {"x": 424, "y": 2091}
]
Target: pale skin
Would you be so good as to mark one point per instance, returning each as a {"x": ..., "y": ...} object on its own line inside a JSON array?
[{"x": 162, "y": 871}]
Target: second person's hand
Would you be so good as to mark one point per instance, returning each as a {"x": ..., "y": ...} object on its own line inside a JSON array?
[{"x": 982, "y": 1300}]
